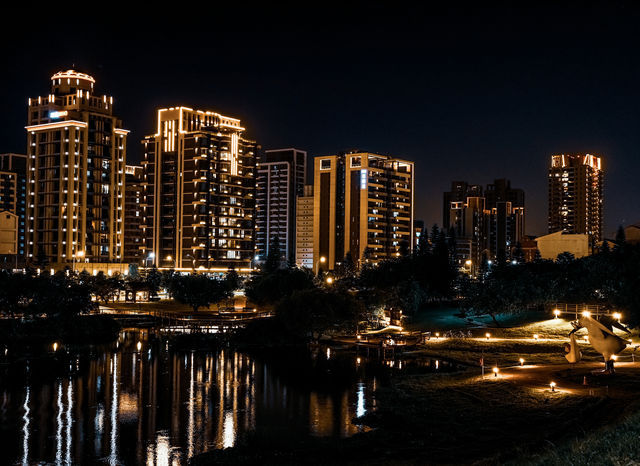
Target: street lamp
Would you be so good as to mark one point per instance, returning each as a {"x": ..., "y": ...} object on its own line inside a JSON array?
[
  {"x": 329, "y": 280},
  {"x": 321, "y": 260},
  {"x": 79, "y": 254}
]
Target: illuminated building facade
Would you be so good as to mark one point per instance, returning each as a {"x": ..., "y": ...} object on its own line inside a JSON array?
[
  {"x": 76, "y": 154},
  {"x": 363, "y": 206},
  {"x": 198, "y": 183},
  {"x": 304, "y": 228},
  {"x": 133, "y": 215},
  {"x": 13, "y": 193},
  {"x": 280, "y": 180},
  {"x": 576, "y": 195}
]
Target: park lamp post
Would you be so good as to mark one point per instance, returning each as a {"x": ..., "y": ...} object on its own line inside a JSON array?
[
  {"x": 149, "y": 257},
  {"x": 318, "y": 262},
  {"x": 80, "y": 255}
]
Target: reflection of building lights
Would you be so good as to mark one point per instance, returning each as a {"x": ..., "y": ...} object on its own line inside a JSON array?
[
  {"x": 553, "y": 386},
  {"x": 488, "y": 335},
  {"x": 586, "y": 338},
  {"x": 521, "y": 361},
  {"x": 536, "y": 336},
  {"x": 139, "y": 345},
  {"x": 556, "y": 312}
]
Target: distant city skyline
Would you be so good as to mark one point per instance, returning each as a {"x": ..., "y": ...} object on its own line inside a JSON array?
[{"x": 476, "y": 94}]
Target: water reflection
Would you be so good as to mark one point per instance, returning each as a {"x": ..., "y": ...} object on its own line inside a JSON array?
[{"x": 139, "y": 402}]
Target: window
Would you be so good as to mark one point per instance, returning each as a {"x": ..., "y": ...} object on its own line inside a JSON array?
[{"x": 325, "y": 164}]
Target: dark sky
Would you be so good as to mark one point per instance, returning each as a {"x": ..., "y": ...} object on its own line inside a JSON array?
[{"x": 468, "y": 93}]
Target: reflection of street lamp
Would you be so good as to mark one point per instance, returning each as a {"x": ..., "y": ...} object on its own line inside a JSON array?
[{"x": 321, "y": 260}]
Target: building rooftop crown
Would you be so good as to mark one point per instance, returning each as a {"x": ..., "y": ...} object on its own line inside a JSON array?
[{"x": 72, "y": 74}]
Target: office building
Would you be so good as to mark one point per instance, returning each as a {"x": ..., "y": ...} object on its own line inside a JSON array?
[
  {"x": 576, "y": 195},
  {"x": 198, "y": 192},
  {"x": 363, "y": 206},
  {"x": 132, "y": 252},
  {"x": 280, "y": 180},
  {"x": 13, "y": 194},
  {"x": 76, "y": 155},
  {"x": 304, "y": 228}
]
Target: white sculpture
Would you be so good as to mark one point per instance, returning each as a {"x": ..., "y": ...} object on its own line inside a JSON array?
[{"x": 601, "y": 336}]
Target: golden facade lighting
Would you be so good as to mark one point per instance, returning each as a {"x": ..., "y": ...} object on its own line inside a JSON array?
[
  {"x": 76, "y": 175},
  {"x": 201, "y": 174}
]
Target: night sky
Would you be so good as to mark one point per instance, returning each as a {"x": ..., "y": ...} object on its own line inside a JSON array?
[{"x": 467, "y": 93}]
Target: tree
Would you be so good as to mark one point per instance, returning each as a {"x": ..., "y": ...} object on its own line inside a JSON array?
[
  {"x": 198, "y": 290},
  {"x": 620, "y": 236},
  {"x": 232, "y": 280},
  {"x": 423, "y": 244},
  {"x": 312, "y": 313},
  {"x": 269, "y": 288},
  {"x": 105, "y": 287},
  {"x": 274, "y": 257}
]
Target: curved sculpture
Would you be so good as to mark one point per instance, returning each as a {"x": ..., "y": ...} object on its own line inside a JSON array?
[{"x": 601, "y": 337}]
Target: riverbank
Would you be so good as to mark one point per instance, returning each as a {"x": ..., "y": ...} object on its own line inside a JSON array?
[{"x": 42, "y": 332}]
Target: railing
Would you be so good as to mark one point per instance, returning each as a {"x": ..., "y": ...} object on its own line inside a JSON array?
[{"x": 578, "y": 308}]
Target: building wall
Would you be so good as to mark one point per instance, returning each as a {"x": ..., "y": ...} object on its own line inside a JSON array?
[
  {"x": 133, "y": 240},
  {"x": 304, "y": 229},
  {"x": 280, "y": 180},
  {"x": 8, "y": 233},
  {"x": 76, "y": 154},
  {"x": 13, "y": 192},
  {"x": 198, "y": 191},
  {"x": 556, "y": 243},
  {"x": 632, "y": 234}
]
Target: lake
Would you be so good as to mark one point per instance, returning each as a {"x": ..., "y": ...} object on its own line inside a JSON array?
[{"x": 140, "y": 401}]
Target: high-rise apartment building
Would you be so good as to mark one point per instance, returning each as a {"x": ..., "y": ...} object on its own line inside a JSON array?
[
  {"x": 304, "y": 228},
  {"x": 133, "y": 215},
  {"x": 460, "y": 191},
  {"x": 280, "y": 180},
  {"x": 487, "y": 226},
  {"x": 576, "y": 194},
  {"x": 363, "y": 206},
  {"x": 198, "y": 191},
  {"x": 13, "y": 193},
  {"x": 76, "y": 154}
]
